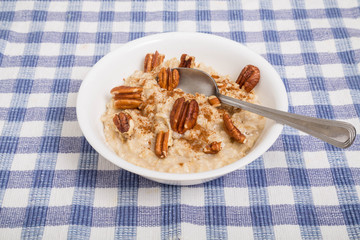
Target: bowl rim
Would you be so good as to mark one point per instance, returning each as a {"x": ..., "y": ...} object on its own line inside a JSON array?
[{"x": 274, "y": 130}]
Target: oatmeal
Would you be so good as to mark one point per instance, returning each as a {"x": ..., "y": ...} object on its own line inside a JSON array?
[{"x": 152, "y": 124}]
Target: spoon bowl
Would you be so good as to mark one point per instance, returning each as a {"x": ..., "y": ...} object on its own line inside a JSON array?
[{"x": 337, "y": 133}]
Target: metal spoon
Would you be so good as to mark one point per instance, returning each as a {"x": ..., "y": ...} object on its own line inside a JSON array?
[{"x": 337, "y": 133}]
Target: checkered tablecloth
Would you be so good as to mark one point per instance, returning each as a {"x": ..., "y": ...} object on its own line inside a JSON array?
[{"x": 54, "y": 185}]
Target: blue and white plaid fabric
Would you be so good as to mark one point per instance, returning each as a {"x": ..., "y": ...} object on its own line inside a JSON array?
[{"x": 53, "y": 185}]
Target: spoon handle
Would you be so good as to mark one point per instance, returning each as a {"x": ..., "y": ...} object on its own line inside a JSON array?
[{"x": 337, "y": 133}]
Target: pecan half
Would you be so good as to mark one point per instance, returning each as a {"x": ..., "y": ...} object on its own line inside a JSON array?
[
  {"x": 249, "y": 77},
  {"x": 161, "y": 144},
  {"x": 214, "y": 101},
  {"x": 123, "y": 122},
  {"x": 212, "y": 148},
  {"x": 183, "y": 115},
  {"x": 187, "y": 61},
  {"x": 126, "y": 97},
  {"x": 231, "y": 130},
  {"x": 152, "y": 60},
  {"x": 168, "y": 79}
]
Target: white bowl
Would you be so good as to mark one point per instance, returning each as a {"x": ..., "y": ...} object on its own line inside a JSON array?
[{"x": 224, "y": 55}]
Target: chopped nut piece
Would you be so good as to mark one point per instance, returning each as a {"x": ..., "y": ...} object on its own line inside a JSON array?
[
  {"x": 161, "y": 144},
  {"x": 187, "y": 61},
  {"x": 152, "y": 60},
  {"x": 249, "y": 77},
  {"x": 232, "y": 130},
  {"x": 183, "y": 115},
  {"x": 168, "y": 79},
  {"x": 214, "y": 101},
  {"x": 213, "y": 148},
  {"x": 126, "y": 97},
  {"x": 123, "y": 122}
]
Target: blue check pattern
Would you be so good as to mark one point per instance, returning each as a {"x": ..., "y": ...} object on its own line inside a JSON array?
[{"x": 54, "y": 185}]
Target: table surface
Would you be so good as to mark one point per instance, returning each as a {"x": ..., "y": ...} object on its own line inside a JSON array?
[{"x": 54, "y": 185}]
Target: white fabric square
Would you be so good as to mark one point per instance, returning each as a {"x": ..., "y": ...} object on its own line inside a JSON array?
[
  {"x": 325, "y": 196},
  {"x": 67, "y": 161},
  {"x": 237, "y": 197},
  {"x": 243, "y": 233},
  {"x": 150, "y": 197},
  {"x": 11, "y": 233},
  {"x": 38, "y": 100},
  {"x": 281, "y": 5},
  {"x": 275, "y": 159},
  {"x": 71, "y": 129},
  {"x": 10, "y": 73},
  {"x": 302, "y": 98},
  {"x": 24, "y": 162},
  {"x": 291, "y": 47},
  {"x": 14, "y": 49},
  {"x": 155, "y": 6},
  {"x": 280, "y": 195},
  {"x": 334, "y": 232},
  {"x": 5, "y": 99},
  {"x": 252, "y": 26},
  {"x": 21, "y": 27},
  {"x": 220, "y": 26},
  {"x": 153, "y": 26},
  {"x": 326, "y": 46},
  {"x": 58, "y": 6},
  {"x": 122, "y": 6},
  {"x": 88, "y": 27},
  {"x": 102, "y": 233},
  {"x": 55, "y": 232},
  {"x": 191, "y": 231},
  {"x": 61, "y": 196},
  {"x": 319, "y": 23},
  {"x": 106, "y": 165},
  {"x": 49, "y": 49},
  {"x": 32, "y": 129},
  {"x": 340, "y": 97},
  {"x": 295, "y": 71},
  {"x": 284, "y": 232},
  {"x": 71, "y": 99},
  {"x": 148, "y": 233},
  {"x": 351, "y": 23},
  {"x": 120, "y": 27},
  {"x": 44, "y": 72},
  {"x": 251, "y": 5},
  {"x": 285, "y": 25},
  {"x": 316, "y": 160},
  {"x": 186, "y": 26},
  {"x": 186, "y": 5},
  {"x": 16, "y": 197},
  {"x": 105, "y": 197},
  {"x": 24, "y": 5},
  {"x": 218, "y": 5},
  {"x": 314, "y": 5},
  {"x": 91, "y": 6},
  {"x": 352, "y": 159},
  {"x": 332, "y": 71},
  {"x": 54, "y": 26},
  {"x": 192, "y": 196},
  {"x": 79, "y": 73}
]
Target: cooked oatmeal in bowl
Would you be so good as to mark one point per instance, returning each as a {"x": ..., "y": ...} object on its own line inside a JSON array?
[{"x": 152, "y": 124}]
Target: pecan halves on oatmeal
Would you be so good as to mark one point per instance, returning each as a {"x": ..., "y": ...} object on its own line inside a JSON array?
[
  {"x": 187, "y": 61},
  {"x": 123, "y": 122},
  {"x": 152, "y": 60},
  {"x": 126, "y": 97},
  {"x": 212, "y": 148},
  {"x": 249, "y": 77},
  {"x": 161, "y": 144},
  {"x": 183, "y": 115},
  {"x": 214, "y": 101},
  {"x": 168, "y": 79},
  {"x": 231, "y": 130}
]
